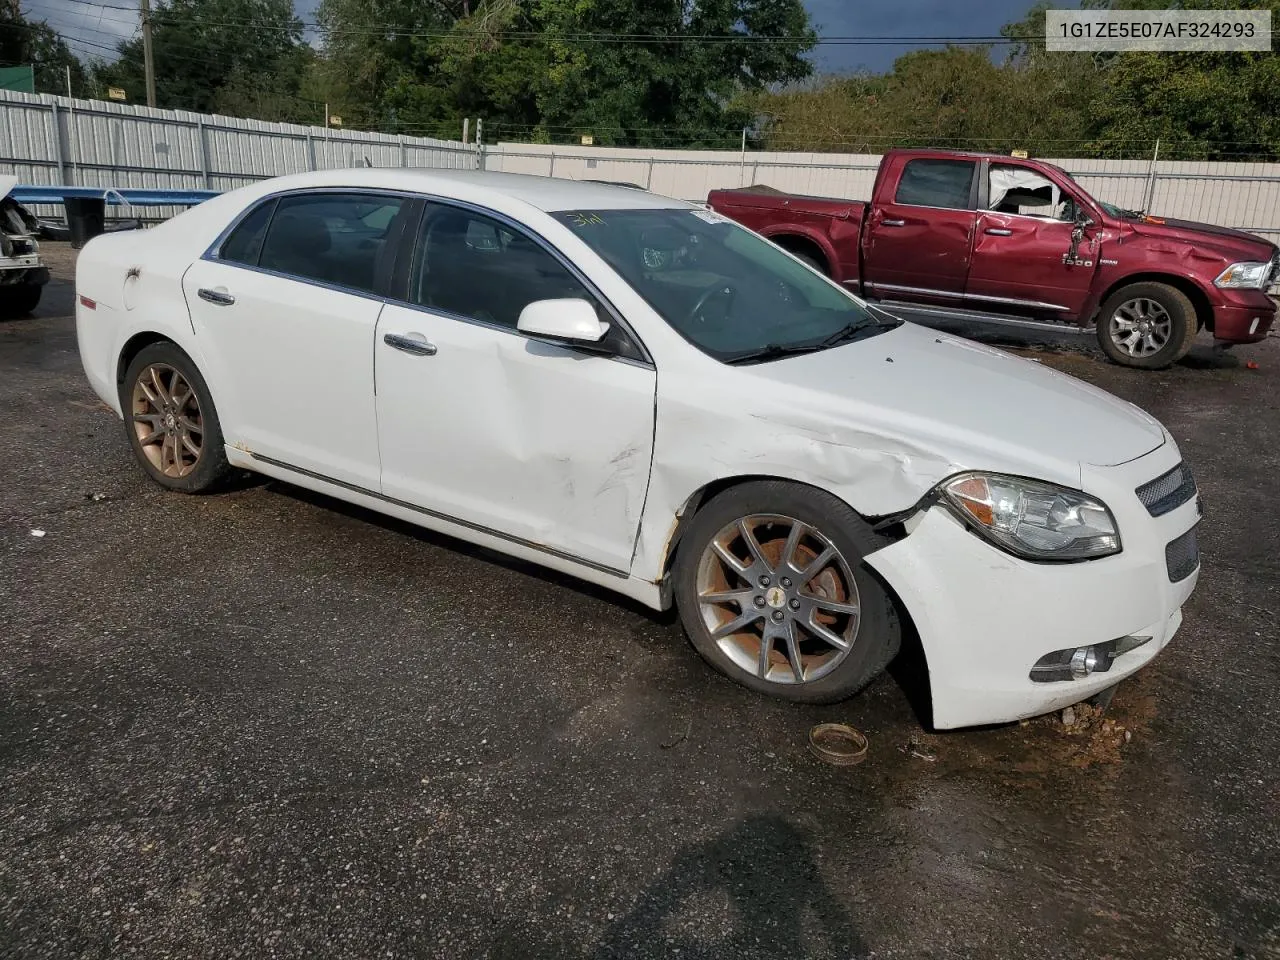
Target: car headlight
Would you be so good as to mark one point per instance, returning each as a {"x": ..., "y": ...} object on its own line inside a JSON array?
[
  {"x": 1034, "y": 520},
  {"x": 1247, "y": 274}
]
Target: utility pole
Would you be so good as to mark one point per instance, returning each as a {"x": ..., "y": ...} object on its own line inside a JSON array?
[{"x": 148, "y": 59}]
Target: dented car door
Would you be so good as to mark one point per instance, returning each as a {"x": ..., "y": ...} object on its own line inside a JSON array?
[{"x": 531, "y": 440}]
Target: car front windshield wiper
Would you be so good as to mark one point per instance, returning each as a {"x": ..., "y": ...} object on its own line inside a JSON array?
[
  {"x": 861, "y": 330},
  {"x": 771, "y": 351}
]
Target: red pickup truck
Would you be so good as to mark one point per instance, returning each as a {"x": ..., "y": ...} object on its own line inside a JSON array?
[{"x": 990, "y": 237}]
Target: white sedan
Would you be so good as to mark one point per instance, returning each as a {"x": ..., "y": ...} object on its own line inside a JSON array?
[{"x": 635, "y": 391}]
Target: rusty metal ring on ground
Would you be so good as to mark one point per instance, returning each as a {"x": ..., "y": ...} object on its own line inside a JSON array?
[{"x": 838, "y": 743}]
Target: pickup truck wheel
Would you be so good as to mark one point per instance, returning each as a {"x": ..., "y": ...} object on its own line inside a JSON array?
[
  {"x": 773, "y": 593},
  {"x": 1147, "y": 325},
  {"x": 812, "y": 261},
  {"x": 19, "y": 300}
]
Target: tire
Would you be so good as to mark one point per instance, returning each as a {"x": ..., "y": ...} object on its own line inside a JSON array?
[
  {"x": 19, "y": 300},
  {"x": 172, "y": 429},
  {"x": 811, "y": 261},
  {"x": 1172, "y": 319},
  {"x": 770, "y": 509}
]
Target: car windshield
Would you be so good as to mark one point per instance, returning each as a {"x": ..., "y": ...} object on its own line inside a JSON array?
[{"x": 726, "y": 290}]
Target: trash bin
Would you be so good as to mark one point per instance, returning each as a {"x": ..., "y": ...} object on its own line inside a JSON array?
[{"x": 86, "y": 219}]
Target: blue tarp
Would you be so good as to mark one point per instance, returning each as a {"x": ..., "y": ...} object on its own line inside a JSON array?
[{"x": 124, "y": 196}]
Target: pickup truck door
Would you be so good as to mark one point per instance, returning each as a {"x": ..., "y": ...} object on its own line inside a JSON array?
[
  {"x": 1020, "y": 263},
  {"x": 917, "y": 241}
]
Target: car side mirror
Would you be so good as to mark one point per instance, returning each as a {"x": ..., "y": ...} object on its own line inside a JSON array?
[{"x": 571, "y": 319}]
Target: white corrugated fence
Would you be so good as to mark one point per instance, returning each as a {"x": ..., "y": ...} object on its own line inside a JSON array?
[{"x": 56, "y": 140}]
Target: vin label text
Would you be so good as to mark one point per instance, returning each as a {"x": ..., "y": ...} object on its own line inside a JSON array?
[{"x": 1098, "y": 31}]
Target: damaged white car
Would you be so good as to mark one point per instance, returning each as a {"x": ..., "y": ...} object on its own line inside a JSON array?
[
  {"x": 640, "y": 393},
  {"x": 23, "y": 273}
]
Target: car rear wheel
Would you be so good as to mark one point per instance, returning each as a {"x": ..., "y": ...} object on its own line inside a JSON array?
[
  {"x": 773, "y": 592},
  {"x": 19, "y": 300},
  {"x": 1147, "y": 325},
  {"x": 171, "y": 421}
]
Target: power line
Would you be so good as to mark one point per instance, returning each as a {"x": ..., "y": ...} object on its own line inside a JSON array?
[{"x": 585, "y": 36}]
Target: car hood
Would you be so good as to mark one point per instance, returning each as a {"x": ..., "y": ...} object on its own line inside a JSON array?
[
  {"x": 977, "y": 406},
  {"x": 1236, "y": 243}
]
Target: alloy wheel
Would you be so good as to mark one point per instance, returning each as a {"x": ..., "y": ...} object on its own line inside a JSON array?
[
  {"x": 778, "y": 598},
  {"x": 167, "y": 420},
  {"x": 1140, "y": 327}
]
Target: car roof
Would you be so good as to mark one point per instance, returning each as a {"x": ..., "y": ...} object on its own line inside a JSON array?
[{"x": 543, "y": 193}]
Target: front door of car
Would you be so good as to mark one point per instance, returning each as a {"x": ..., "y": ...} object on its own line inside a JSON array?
[
  {"x": 1020, "y": 250},
  {"x": 916, "y": 245},
  {"x": 537, "y": 441},
  {"x": 285, "y": 314}
]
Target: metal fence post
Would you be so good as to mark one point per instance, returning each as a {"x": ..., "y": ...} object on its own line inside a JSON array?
[
  {"x": 57, "y": 143},
  {"x": 648, "y": 175},
  {"x": 404, "y": 152},
  {"x": 204, "y": 153},
  {"x": 551, "y": 171},
  {"x": 1150, "y": 194},
  {"x": 311, "y": 152}
]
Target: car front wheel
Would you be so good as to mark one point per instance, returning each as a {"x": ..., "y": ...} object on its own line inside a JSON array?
[
  {"x": 171, "y": 421},
  {"x": 773, "y": 592}
]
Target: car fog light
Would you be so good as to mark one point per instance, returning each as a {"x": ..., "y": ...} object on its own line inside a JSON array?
[
  {"x": 1253, "y": 327},
  {"x": 1076, "y": 663},
  {"x": 1083, "y": 662}
]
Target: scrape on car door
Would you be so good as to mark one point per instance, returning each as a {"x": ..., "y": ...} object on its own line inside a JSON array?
[{"x": 538, "y": 442}]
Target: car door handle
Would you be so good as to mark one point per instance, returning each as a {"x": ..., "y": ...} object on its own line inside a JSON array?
[
  {"x": 998, "y": 232},
  {"x": 414, "y": 343},
  {"x": 219, "y": 296},
  {"x": 894, "y": 223}
]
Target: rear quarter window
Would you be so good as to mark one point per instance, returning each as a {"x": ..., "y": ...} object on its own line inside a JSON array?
[{"x": 936, "y": 183}]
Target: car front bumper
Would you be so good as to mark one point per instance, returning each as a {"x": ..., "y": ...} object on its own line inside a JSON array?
[
  {"x": 1245, "y": 317},
  {"x": 985, "y": 617}
]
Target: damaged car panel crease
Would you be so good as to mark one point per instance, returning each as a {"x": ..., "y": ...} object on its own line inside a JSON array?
[{"x": 645, "y": 395}]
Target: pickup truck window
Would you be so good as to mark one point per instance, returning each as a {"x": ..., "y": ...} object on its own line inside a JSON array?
[
  {"x": 936, "y": 183},
  {"x": 728, "y": 291}
]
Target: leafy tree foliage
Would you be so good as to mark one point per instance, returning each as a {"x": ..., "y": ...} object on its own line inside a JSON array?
[
  {"x": 217, "y": 53},
  {"x": 548, "y": 68}
]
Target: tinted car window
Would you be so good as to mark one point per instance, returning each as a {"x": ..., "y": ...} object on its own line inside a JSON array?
[
  {"x": 478, "y": 267},
  {"x": 245, "y": 242},
  {"x": 338, "y": 238},
  {"x": 936, "y": 183}
]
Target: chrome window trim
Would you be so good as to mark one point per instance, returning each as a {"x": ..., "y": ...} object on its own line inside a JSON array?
[{"x": 212, "y": 254}]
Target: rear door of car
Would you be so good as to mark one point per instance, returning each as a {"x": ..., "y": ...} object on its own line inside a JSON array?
[
  {"x": 918, "y": 236},
  {"x": 285, "y": 308},
  {"x": 538, "y": 442}
]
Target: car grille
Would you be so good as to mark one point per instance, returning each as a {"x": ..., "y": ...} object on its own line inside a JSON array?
[
  {"x": 1168, "y": 491},
  {"x": 1182, "y": 556}
]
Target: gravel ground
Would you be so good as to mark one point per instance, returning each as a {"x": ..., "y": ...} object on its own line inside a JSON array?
[{"x": 264, "y": 724}]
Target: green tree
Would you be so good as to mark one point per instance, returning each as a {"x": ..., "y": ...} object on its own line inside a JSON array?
[
  {"x": 25, "y": 41},
  {"x": 625, "y": 71},
  {"x": 203, "y": 46}
]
